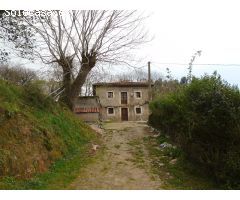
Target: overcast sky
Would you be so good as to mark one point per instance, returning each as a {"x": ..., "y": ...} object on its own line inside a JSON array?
[
  {"x": 184, "y": 28},
  {"x": 180, "y": 28}
]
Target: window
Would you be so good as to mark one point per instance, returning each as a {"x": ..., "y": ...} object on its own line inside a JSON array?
[
  {"x": 123, "y": 97},
  {"x": 110, "y": 94},
  {"x": 110, "y": 111},
  {"x": 138, "y": 95},
  {"x": 138, "y": 110}
]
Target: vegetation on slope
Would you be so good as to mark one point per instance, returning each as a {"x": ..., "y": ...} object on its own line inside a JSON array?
[
  {"x": 175, "y": 172},
  {"x": 42, "y": 144}
]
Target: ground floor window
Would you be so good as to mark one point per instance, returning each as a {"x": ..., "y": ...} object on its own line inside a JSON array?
[
  {"x": 138, "y": 110},
  {"x": 110, "y": 111}
]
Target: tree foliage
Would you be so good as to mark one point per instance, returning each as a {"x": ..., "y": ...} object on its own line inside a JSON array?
[{"x": 203, "y": 118}]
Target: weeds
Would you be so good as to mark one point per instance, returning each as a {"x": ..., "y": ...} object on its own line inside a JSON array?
[{"x": 182, "y": 174}]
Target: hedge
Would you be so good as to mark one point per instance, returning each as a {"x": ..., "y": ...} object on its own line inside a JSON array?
[{"x": 203, "y": 118}]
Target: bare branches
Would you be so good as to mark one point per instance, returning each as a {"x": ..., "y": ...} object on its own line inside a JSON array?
[
  {"x": 109, "y": 35},
  {"x": 189, "y": 76},
  {"x": 79, "y": 40},
  {"x": 17, "y": 74}
]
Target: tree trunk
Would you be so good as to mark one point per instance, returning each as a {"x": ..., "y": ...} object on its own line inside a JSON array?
[
  {"x": 78, "y": 83},
  {"x": 73, "y": 89},
  {"x": 67, "y": 86}
]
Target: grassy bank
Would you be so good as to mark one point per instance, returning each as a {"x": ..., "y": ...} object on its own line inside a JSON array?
[
  {"x": 43, "y": 145},
  {"x": 59, "y": 176}
]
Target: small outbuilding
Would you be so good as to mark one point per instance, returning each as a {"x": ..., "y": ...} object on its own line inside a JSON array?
[{"x": 87, "y": 108}]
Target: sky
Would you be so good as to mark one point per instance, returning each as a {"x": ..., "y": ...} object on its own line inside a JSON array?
[{"x": 180, "y": 28}]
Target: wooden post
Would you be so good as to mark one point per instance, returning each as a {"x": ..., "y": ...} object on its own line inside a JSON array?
[{"x": 149, "y": 82}]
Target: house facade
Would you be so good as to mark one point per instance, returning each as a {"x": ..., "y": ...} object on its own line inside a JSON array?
[{"x": 123, "y": 101}]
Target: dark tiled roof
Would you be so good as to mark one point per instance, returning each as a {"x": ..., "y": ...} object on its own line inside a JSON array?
[{"x": 123, "y": 84}]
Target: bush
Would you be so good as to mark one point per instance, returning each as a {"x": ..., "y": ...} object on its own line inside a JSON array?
[
  {"x": 34, "y": 96},
  {"x": 203, "y": 118}
]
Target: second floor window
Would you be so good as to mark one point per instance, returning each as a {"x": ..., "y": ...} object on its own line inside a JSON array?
[
  {"x": 123, "y": 97},
  {"x": 138, "y": 95},
  {"x": 110, "y": 94}
]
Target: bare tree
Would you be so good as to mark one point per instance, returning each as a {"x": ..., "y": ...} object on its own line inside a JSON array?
[
  {"x": 15, "y": 35},
  {"x": 95, "y": 76},
  {"x": 138, "y": 75},
  {"x": 79, "y": 40},
  {"x": 17, "y": 74},
  {"x": 53, "y": 80},
  {"x": 189, "y": 76}
]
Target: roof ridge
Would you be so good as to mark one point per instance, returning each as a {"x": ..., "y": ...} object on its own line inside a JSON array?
[{"x": 125, "y": 83}]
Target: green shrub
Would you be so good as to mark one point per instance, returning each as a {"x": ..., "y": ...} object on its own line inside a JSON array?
[
  {"x": 203, "y": 118},
  {"x": 34, "y": 96}
]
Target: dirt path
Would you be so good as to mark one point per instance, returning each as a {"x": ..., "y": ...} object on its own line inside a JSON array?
[{"x": 123, "y": 163}]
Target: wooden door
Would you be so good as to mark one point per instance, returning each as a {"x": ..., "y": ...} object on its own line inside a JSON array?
[{"x": 124, "y": 114}]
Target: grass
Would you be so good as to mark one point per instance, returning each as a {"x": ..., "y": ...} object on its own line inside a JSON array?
[
  {"x": 40, "y": 128},
  {"x": 138, "y": 153},
  {"x": 182, "y": 175},
  {"x": 121, "y": 163},
  {"x": 59, "y": 176},
  {"x": 117, "y": 146}
]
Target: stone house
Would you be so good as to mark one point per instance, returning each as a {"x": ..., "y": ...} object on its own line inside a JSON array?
[{"x": 123, "y": 101}]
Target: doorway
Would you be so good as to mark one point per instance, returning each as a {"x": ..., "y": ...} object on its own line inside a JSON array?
[{"x": 124, "y": 114}]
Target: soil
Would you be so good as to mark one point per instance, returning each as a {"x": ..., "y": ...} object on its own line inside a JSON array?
[{"x": 123, "y": 161}]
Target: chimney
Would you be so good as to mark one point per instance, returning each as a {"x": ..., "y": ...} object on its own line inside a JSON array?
[{"x": 149, "y": 82}]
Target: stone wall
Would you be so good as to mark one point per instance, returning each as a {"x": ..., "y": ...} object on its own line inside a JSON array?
[{"x": 88, "y": 117}]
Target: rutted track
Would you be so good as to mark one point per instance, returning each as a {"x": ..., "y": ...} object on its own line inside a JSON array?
[{"x": 123, "y": 163}]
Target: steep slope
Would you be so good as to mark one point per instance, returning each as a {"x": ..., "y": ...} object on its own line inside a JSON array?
[{"x": 35, "y": 132}]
